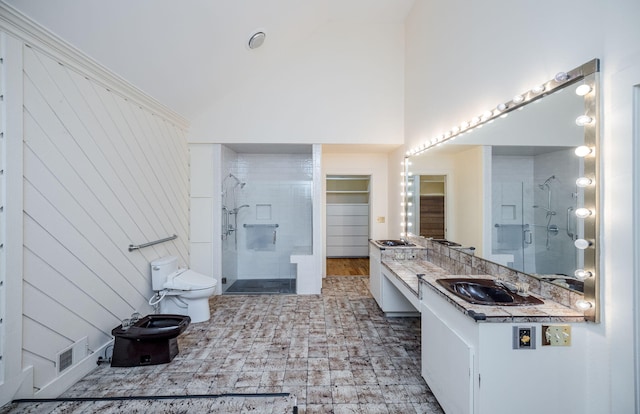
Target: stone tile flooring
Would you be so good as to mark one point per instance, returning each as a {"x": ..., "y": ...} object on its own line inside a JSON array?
[{"x": 334, "y": 353}]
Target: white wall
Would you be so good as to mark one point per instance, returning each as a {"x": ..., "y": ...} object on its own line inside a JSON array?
[
  {"x": 102, "y": 170},
  {"x": 502, "y": 48},
  {"x": 343, "y": 84}
]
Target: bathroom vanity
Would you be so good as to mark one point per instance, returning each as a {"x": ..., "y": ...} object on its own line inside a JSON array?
[
  {"x": 393, "y": 296},
  {"x": 487, "y": 358}
]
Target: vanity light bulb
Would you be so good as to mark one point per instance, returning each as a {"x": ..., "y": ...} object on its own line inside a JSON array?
[
  {"x": 475, "y": 120},
  {"x": 583, "y": 151},
  {"x": 582, "y": 274},
  {"x": 583, "y": 182},
  {"x": 409, "y": 204},
  {"x": 561, "y": 77},
  {"x": 584, "y": 304},
  {"x": 502, "y": 107},
  {"x": 583, "y": 213},
  {"x": 488, "y": 114},
  {"x": 538, "y": 89},
  {"x": 409, "y": 224},
  {"x": 581, "y": 244},
  {"x": 584, "y": 89},
  {"x": 583, "y": 120}
]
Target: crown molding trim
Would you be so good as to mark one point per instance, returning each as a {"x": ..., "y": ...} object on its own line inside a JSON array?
[{"x": 16, "y": 24}]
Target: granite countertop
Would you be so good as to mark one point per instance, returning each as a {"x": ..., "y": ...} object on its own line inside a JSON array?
[{"x": 550, "y": 311}]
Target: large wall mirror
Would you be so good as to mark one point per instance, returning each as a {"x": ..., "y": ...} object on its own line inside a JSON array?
[{"x": 519, "y": 184}]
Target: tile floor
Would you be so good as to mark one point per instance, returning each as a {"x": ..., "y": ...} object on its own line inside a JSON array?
[{"x": 334, "y": 353}]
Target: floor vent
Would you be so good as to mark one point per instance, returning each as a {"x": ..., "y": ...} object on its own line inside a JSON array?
[{"x": 71, "y": 355}]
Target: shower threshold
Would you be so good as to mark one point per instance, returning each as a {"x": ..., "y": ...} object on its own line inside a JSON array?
[{"x": 262, "y": 287}]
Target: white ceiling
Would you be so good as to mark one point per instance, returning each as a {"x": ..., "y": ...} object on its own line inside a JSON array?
[{"x": 184, "y": 52}]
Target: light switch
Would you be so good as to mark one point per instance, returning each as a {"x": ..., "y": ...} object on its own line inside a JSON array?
[
  {"x": 380, "y": 219},
  {"x": 556, "y": 335}
]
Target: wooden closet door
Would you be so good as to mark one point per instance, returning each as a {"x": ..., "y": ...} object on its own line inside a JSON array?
[{"x": 432, "y": 216}]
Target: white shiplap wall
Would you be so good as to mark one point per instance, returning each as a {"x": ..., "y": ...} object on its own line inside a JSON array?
[{"x": 101, "y": 171}]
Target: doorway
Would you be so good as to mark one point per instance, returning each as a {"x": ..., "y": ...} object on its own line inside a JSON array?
[
  {"x": 431, "y": 208},
  {"x": 347, "y": 216}
]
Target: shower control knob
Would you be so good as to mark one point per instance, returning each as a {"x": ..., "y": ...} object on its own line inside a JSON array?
[{"x": 156, "y": 268}]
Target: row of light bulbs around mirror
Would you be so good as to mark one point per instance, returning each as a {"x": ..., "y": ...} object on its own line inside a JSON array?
[
  {"x": 489, "y": 115},
  {"x": 468, "y": 126}
]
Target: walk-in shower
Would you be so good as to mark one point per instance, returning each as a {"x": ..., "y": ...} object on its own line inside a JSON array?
[
  {"x": 266, "y": 215},
  {"x": 530, "y": 195}
]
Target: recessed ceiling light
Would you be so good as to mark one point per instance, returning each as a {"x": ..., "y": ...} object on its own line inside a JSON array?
[{"x": 256, "y": 40}]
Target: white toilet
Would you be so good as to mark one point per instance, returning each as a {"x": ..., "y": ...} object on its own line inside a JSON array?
[{"x": 181, "y": 291}]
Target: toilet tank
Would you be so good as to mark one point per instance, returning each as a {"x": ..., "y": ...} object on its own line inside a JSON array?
[{"x": 160, "y": 269}]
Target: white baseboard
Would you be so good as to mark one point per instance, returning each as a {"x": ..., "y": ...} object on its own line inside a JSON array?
[{"x": 74, "y": 374}]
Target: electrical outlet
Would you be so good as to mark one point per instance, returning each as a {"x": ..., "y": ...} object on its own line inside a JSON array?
[
  {"x": 524, "y": 337},
  {"x": 556, "y": 335},
  {"x": 224, "y": 280}
]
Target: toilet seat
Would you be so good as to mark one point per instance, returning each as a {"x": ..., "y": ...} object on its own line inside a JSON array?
[{"x": 186, "y": 279}]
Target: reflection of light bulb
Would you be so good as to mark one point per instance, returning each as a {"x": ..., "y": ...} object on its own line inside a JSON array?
[
  {"x": 583, "y": 212},
  {"x": 583, "y": 182},
  {"x": 582, "y": 90},
  {"x": 538, "y": 89},
  {"x": 582, "y": 274},
  {"x": 583, "y": 151},
  {"x": 518, "y": 98},
  {"x": 584, "y": 304},
  {"x": 583, "y": 120},
  {"x": 581, "y": 244}
]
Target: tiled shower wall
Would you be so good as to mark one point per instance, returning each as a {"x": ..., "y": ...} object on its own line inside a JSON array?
[{"x": 278, "y": 191}]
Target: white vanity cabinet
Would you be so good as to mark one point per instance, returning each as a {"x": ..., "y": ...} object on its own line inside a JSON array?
[
  {"x": 375, "y": 273},
  {"x": 394, "y": 298},
  {"x": 471, "y": 367}
]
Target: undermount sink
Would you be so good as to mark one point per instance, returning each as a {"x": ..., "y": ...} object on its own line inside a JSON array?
[
  {"x": 486, "y": 292},
  {"x": 445, "y": 242},
  {"x": 392, "y": 243}
]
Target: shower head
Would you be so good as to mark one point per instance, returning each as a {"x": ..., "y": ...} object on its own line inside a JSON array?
[
  {"x": 546, "y": 182},
  {"x": 235, "y": 210}
]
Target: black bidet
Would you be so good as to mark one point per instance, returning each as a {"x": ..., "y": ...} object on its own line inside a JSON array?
[{"x": 151, "y": 340}]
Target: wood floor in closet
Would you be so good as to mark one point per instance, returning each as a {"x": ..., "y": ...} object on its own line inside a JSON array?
[{"x": 348, "y": 266}]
